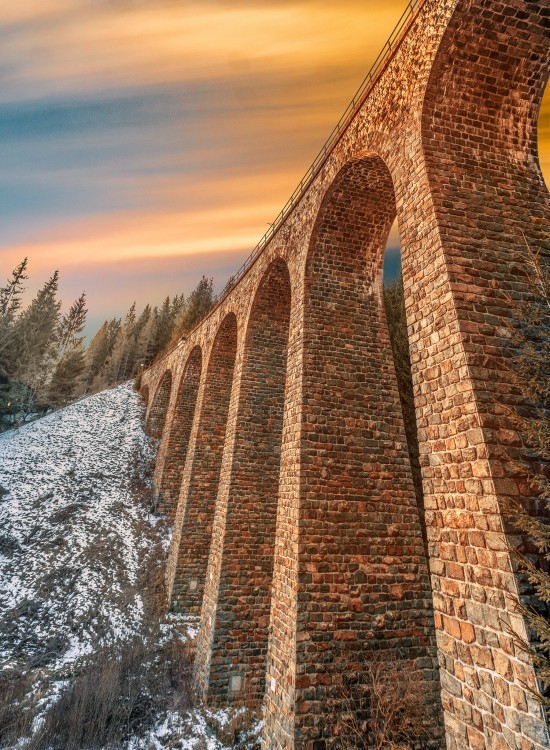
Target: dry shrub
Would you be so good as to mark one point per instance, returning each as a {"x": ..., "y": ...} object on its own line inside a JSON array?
[
  {"x": 385, "y": 708},
  {"x": 119, "y": 690},
  {"x": 236, "y": 726},
  {"x": 15, "y": 686},
  {"x": 118, "y": 693}
]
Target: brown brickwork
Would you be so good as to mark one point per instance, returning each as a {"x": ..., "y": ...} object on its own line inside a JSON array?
[
  {"x": 479, "y": 118},
  {"x": 144, "y": 393},
  {"x": 446, "y": 139},
  {"x": 197, "y": 513},
  {"x": 156, "y": 414},
  {"x": 362, "y": 571},
  {"x": 176, "y": 441},
  {"x": 238, "y": 624}
]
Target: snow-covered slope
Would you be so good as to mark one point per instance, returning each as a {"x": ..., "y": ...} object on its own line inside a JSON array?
[
  {"x": 67, "y": 492},
  {"x": 77, "y": 544}
]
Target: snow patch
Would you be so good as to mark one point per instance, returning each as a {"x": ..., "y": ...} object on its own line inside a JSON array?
[
  {"x": 69, "y": 496},
  {"x": 74, "y": 540}
]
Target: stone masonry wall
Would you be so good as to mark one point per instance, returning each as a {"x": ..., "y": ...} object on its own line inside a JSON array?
[
  {"x": 156, "y": 413},
  {"x": 198, "y": 515},
  {"x": 479, "y": 134},
  {"x": 177, "y": 436},
  {"x": 363, "y": 575},
  {"x": 451, "y": 118},
  {"x": 239, "y": 623}
]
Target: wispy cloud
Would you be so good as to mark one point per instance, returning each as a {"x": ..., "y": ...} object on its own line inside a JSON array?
[
  {"x": 152, "y": 133},
  {"x": 61, "y": 46}
]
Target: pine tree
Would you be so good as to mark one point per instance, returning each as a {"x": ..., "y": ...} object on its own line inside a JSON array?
[
  {"x": 121, "y": 362},
  {"x": 165, "y": 326},
  {"x": 199, "y": 303},
  {"x": 143, "y": 332},
  {"x": 65, "y": 378},
  {"x": 70, "y": 356},
  {"x": 92, "y": 363},
  {"x": 98, "y": 356},
  {"x": 228, "y": 286},
  {"x": 10, "y": 302},
  {"x": 151, "y": 332},
  {"x": 178, "y": 303},
  {"x": 8, "y": 397},
  {"x": 34, "y": 358},
  {"x": 72, "y": 325},
  {"x": 10, "y": 295}
]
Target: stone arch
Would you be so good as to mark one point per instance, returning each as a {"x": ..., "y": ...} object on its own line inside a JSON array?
[
  {"x": 195, "y": 524},
  {"x": 489, "y": 199},
  {"x": 362, "y": 582},
  {"x": 156, "y": 416},
  {"x": 175, "y": 450},
  {"x": 232, "y": 645},
  {"x": 492, "y": 71}
]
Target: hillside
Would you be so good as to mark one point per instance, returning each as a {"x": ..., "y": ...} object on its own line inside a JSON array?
[
  {"x": 81, "y": 564},
  {"x": 66, "y": 495}
]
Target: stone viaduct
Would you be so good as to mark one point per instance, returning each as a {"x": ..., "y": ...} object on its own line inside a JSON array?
[{"x": 283, "y": 458}]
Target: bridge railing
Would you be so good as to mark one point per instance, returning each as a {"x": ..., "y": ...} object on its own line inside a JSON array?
[
  {"x": 348, "y": 115},
  {"x": 351, "y": 110}
]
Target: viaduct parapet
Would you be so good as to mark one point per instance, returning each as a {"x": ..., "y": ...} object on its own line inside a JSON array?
[{"x": 283, "y": 458}]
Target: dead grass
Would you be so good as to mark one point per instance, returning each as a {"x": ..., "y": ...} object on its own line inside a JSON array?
[
  {"x": 120, "y": 689},
  {"x": 118, "y": 694},
  {"x": 385, "y": 707},
  {"x": 15, "y": 686},
  {"x": 237, "y": 729}
]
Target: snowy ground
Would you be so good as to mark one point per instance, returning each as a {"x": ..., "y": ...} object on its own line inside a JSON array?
[
  {"x": 66, "y": 486},
  {"x": 73, "y": 545}
]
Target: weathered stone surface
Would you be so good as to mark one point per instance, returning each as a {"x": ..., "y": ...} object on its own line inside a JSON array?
[
  {"x": 156, "y": 413},
  {"x": 316, "y": 554},
  {"x": 173, "y": 448},
  {"x": 189, "y": 556},
  {"x": 232, "y": 641}
]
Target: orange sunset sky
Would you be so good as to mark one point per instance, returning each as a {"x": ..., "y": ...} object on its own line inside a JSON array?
[{"x": 146, "y": 142}]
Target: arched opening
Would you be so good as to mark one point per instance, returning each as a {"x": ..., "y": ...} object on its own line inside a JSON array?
[
  {"x": 195, "y": 526},
  {"x": 543, "y": 132},
  {"x": 236, "y": 626},
  {"x": 391, "y": 267},
  {"x": 156, "y": 417},
  {"x": 180, "y": 430},
  {"x": 362, "y": 569},
  {"x": 394, "y": 307}
]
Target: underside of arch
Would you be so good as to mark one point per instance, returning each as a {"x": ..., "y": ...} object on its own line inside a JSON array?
[
  {"x": 197, "y": 514},
  {"x": 156, "y": 416},
  {"x": 233, "y": 640},
  {"x": 175, "y": 450}
]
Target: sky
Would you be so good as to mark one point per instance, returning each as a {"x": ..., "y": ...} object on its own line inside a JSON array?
[{"x": 144, "y": 143}]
